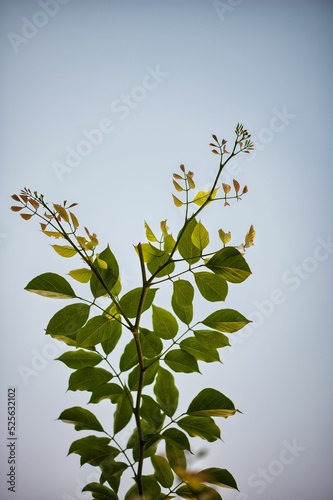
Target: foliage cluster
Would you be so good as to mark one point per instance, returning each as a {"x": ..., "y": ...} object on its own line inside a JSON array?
[{"x": 141, "y": 385}]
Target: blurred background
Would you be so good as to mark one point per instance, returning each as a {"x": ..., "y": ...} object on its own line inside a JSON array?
[{"x": 101, "y": 101}]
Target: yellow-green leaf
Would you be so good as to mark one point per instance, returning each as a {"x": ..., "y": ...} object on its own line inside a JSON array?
[
  {"x": 224, "y": 237},
  {"x": 149, "y": 233},
  {"x": 64, "y": 250},
  {"x": 61, "y": 211},
  {"x": 177, "y": 201},
  {"x": 200, "y": 236},
  {"x": 249, "y": 238},
  {"x": 202, "y": 196},
  {"x": 82, "y": 275}
]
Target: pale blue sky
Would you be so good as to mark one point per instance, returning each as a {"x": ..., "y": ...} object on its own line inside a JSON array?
[{"x": 159, "y": 77}]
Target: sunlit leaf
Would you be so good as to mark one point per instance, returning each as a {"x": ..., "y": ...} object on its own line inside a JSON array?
[
  {"x": 164, "y": 323},
  {"x": 51, "y": 285},
  {"x": 249, "y": 238},
  {"x": 212, "y": 287},
  {"x": 226, "y": 320},
  {"x": 182, "y": 298},
  {"x": 107, "y": 278},
  {"x": 149, "y": 233},
  {"x": 198, "y": 351},
  {"x": 65, "y": 324},
  {"x": 200, "y": 236},
  {"x": 130, "y": 301},
  {"x": 229, "y": 263},
  {"x": 82, "y": 275},
  {"x": 177, "y": 201},
  {"x": 211, "y": 403},
  {"x": 64, "y": 250},
  {"x": 202, "y": 196},
  {"x": 97, "y": 330}
]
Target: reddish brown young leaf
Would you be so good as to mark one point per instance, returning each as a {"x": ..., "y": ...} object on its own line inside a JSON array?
[
  {"x": 226, "y": 188},
  {"x": 16, "y": 209},
  {"x": 236, "y": 185},
  {"x": 34, "y": 203},
  {"x": 15, "y": 197},
  {"x": 26, "y": 216}
]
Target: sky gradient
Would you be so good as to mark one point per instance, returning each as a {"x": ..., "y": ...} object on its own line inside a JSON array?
[{"x": 101, "y": 101}]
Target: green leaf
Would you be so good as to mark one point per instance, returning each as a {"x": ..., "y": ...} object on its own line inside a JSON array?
[
  {"x": 65, "y": 324},
  {"x": 203, "y": 427},
  {"x": 93, "y": 450},
  {"x": 226, "y": 320},
  {"x": 97, "y": 330},
  {"x": 182, "y": 297},
  {"x": 212, "y": 287},
  {"x": 80, "y": 358},
  {"x": 82, "y": 444},
  {"x": 221, "y": 477},
  {"x": 151, "y": 344},
  {"x": 108, "y": 277},
  {"x": 151, "y": 412},
  {"x": 163, "y": 472},
  {"x": 176, "y": 457},
  {"x": 111, "y": 472},
  {"x": 51, "y": 285},
  {"x": 150, "y": 374},
  {"x": 200, "y": 237},
  {"x": 130, "y": 301},
  {"x": 211, "y": 403},
  {"x": 181, "y": 361},
  {"x": 150, "y": 252},
  {"x": 164, "y": 323},
  {"x": 124, "y": 411},
  {"x": 87, "y": 379},
  {"x": 100, "y": 491},
  {"x": 129, "y": 358},
  {"x": 211, "y": 338},
  {"x": 64, "y": 250},
  {"x": 198, "y": 351},
  {"x": 82, "y": 275},
  {"x": 198, "y": 492},
  {"x": 151, "y": 490},
  {"x": 177, "y": 438},
  {"x": 166, "y": 392},
  {"x": 107, "y": 391},
  {"x": 229, "y": 263},
  {"x": 81, "y": 418},
  {"x": 159, "y": 261},
  {"x": 186, "y": 247},
  {"x": 114, "y": 335},
  {"x": 169, "y": 243}
]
